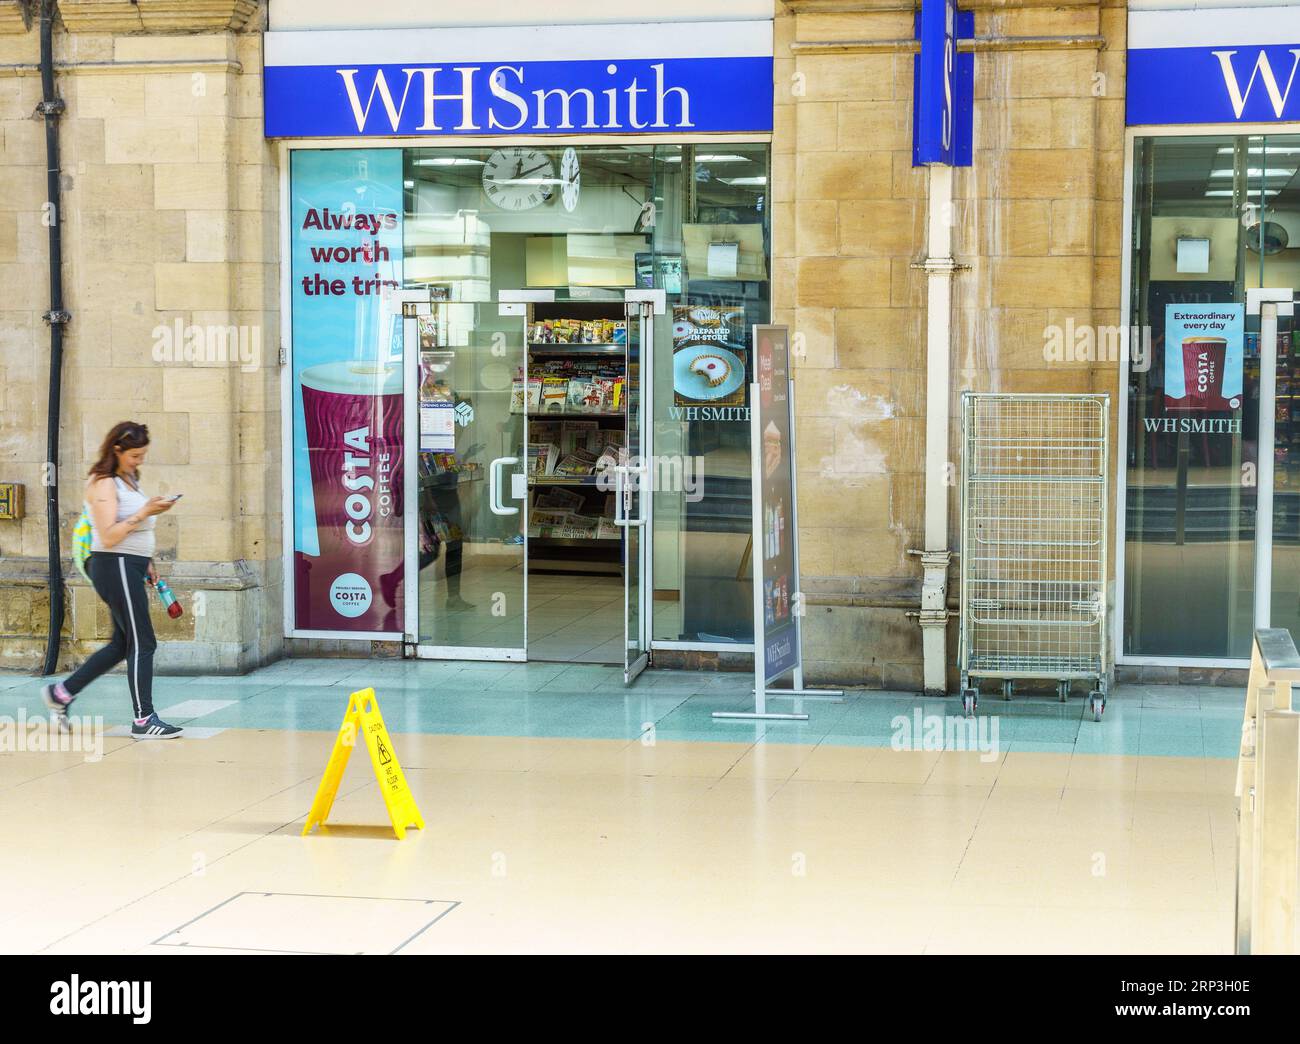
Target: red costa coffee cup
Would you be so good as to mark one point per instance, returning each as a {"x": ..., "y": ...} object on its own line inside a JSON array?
[{"x": 352, "y": 413}]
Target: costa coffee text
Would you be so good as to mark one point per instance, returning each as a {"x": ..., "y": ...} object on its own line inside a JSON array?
[{"x": 362, "y": 487}]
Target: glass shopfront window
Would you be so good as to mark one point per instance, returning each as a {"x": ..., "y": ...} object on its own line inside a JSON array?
[
  {"x": 712, "y": 254},
  {"x": 1214, "y": 216},
  {"x": 570, "y": 231}
]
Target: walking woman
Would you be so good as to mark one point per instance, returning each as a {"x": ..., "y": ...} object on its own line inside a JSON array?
[{"x": 120, "y": 563}]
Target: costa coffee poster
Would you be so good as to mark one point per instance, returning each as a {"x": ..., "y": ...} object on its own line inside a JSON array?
[
  {"x": 347, "y": 391},
  {"x": 1203, "y": 356}
]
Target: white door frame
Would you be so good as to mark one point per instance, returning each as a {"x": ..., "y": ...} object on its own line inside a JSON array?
[
  {"x": 509, "y": 302},
  {"x": 652, "y": 303}
]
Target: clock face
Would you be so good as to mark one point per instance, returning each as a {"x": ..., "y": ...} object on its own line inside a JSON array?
[
  {"x": 518, "y": 178},
  {"x": 570, "y": 177}
]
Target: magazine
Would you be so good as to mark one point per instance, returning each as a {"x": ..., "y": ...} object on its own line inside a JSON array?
[
  {"x": 609, "y": 457},
  {"x": 534, "y": 395},
  {"x": 584, "y": 395},
  {"x": 559, "y": 497},
  {"x": 542, "y": 458},
  {"x": 555, "y": 394},
  {"x": 577, "y": 434},
  {"x": 579, "y": 462}
]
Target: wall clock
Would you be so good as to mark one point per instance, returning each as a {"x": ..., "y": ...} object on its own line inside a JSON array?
[
  {"x": 570, "y": 179},
  {"x": 518, "y": 178}
]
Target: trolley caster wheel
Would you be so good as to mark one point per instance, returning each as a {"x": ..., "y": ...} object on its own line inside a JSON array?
[
  {"x": 969, "y": 701},
  {"x": 1063, "y": 691},
  {"x": 1096, "y": 704},
  {"x": 1006, "y": 689}
]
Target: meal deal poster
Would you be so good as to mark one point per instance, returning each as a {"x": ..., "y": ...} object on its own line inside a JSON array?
[
  {"x": 1203, "y": 356},
  {"x": 346, "y": 227},
  {"x": 776, "y": 569}
]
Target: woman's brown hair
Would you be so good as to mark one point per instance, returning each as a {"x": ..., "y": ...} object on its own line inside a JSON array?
[{"x": 125, "y": 435}]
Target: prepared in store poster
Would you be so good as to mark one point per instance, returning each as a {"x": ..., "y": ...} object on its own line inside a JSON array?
[{"x": 709, "y": 356}]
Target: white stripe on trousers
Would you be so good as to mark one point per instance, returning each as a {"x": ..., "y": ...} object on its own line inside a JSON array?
[{"x": 135, "y": 640}]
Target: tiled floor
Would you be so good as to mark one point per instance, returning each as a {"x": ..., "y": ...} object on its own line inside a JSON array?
[
  {"x": 571, "y": 617},
  {"x": 564, "y": 812}
]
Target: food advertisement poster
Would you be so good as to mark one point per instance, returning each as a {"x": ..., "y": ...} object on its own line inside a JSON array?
[
  {"x": 346, "y": 249},
  {"x": 709, "y": 362},
  {"x": 1203, "y": 356},
  {"x": 776, "y": 569}
]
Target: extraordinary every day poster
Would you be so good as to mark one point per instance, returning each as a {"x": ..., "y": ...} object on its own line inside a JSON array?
[
  {"x": 1203, "y": 356},
  {"x": 347, "y": 391}
]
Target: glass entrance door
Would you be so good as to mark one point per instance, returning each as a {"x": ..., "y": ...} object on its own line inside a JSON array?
[
  {"x": 469, "y": 573},
  {"x": 635, "y": 481}
]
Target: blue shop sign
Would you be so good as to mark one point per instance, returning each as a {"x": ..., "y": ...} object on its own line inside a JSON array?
[
  {"x": 1213, "y": 66},
  {"x": 943, "y": 86},
  {"x": 657, "y": 78}
]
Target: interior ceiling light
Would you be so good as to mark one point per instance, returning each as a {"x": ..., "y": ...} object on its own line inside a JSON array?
[
  {"x": 744, "y": 181},
  {"x": 1256, "y": 172},
  {"x": 1262, "y": 150},
  {"x": 1229, "y": 192},
  {"x": 448, "y": 161},
  {"x": 721, "y": 157}
]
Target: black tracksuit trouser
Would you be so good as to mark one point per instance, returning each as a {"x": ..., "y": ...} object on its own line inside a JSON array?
[{"x": 121, "y": 581}]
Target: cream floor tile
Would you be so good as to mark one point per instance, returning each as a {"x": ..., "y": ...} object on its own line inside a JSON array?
[
  {"x": 900, "y": 766},
  {"x": 1110, "y": 773},
  {"x": 965, "y": 768},
  {"x": 584, "y": 757},
  {"x": 1174, "y": 775},
  {"x": 1024, "y": 769},
  {"x": 1221, "y": 775},
  {"x": 1050, "y": 930},
  {"x": 497, "y": 753},
  {"x": 591, "y": 845},
  {"x": 777, "y": 761},
  {"x": 744, "y": 795},
  {"x": 828, "y": 763},
  {"x": 673, "y": 758}
]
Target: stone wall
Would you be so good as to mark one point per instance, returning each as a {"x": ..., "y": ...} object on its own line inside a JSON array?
[
  {"x": 170, "y": 240},
  {"x": 171, "y": 202},
  {"x": 1037, "y": 220}
]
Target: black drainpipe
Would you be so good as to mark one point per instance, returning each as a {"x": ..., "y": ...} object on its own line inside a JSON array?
[{"x": 51, "y": 107}]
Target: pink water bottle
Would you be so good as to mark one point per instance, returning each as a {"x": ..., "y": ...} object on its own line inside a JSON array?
[{"x": 169, "y": 599}]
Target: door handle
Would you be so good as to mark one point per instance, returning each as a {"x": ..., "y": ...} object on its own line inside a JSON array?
[
  {"x": 618, "y": 471},
  {"x": 621, "y": 471},
  {"x": 494, "y": 486}
]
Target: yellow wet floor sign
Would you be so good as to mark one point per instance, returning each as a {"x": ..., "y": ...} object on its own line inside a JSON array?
[{"x": 364, "y": 720}]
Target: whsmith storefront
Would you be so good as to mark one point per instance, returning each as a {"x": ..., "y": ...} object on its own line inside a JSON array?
[
  {"x": 523, "y": 268},
  {"x": 524, "y": 262},
  {"x": 1210, "y": 508},
  {"x": 513, "y": 258}
]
